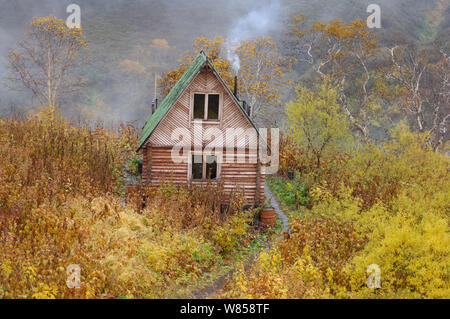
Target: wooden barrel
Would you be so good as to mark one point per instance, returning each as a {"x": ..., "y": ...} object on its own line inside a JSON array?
[{"x": 268, "y": 216}]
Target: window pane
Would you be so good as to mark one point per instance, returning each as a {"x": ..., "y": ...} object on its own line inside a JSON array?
[
  {"x": 211, "y": 167},
  {"x": 213, "y": 106},
  {"x": 197, "y": 167},
  {"x": 199, "y": 106}
]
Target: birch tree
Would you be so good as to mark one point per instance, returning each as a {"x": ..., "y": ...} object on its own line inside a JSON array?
[
  {"x": 213, "y": 48},
  {"x": 344, "y": 53},
  {"x": 46, "y": 62},
  {"x": 422, "y": 86},
  {"x": 316, "y": 123},
  {"x": 262, "y": 76}
]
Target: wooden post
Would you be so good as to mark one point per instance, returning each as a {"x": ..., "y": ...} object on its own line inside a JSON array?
[
  {"x": 144, "y": 165},
  {"x": 149, "y": 162},
  {"x": 258, "y": 173}
]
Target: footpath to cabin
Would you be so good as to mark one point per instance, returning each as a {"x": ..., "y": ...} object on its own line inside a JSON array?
[
  {"x": 218, "y": 284},
  {"x": 276, "y": 206}
]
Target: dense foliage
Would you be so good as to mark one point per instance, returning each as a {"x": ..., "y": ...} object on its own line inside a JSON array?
[
  {"x": 60, "y": 204},
  {"x": 384, "y": 204}
]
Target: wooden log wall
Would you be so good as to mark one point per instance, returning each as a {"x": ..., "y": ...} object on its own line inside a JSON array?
[{"x": 234, "y": 177}]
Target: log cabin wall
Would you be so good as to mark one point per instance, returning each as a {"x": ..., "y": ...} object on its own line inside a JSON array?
[
  {"x": 159, "y": 166},
  {"x": 234, "y": 177}
]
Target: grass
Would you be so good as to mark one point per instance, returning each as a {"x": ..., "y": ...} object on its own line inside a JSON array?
[{"x": 291, "y": 194}]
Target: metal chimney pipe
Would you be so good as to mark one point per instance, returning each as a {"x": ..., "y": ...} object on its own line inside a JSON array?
[
  {"x": 154, "y": 105},
  {"x": 236, "y": 86}
]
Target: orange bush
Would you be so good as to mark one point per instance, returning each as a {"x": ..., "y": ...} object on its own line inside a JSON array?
[{"x": 61, "y": 204}]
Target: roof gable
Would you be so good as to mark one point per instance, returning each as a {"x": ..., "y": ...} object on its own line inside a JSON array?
[
  {"x": 177, "y": 91},
  {"x": 172, "y": 97}
]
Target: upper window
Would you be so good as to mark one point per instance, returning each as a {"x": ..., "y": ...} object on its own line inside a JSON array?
[
  {"x": 213, "y": 106},
  {"x": 206, "y": 107},
  {"x": 199, "y": 106}
]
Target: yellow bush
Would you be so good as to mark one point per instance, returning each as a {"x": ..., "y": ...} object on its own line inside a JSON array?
[
  {"x": 121, "y": 253},
  {"x": 413, "y": 259},
  {"x": 307, "y": 263},
  {"x": 273, "y": 277},
  {"x": 60, "y": 205},
  {"x": 399, "y": 194},
  {"x": 390, "y": 208}
]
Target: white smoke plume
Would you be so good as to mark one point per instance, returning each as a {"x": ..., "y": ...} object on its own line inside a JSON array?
[{"x": 256, "y": 23}]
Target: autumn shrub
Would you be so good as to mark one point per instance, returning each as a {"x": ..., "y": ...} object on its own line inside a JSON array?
[
  {"x": 413, "y": 259},
  {"x": 292, "y": 157},
  {"x": 386, "y": 205},
  {"x": 122, "y": 253},
  {"x": 264, "y": 280},
  {"x": 307, "y": 263},
  {"x": 47, "y": 159},
  {"x": 330, "y": 243},
  {"x": 305, "y": 168},
  {"x": 61, "y": 205},
  {"x": 201, "y": 209},
  {"x": 398, "y": 194}
]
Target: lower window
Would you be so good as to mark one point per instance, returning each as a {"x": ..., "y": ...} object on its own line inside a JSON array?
[
  {"x": 211, "y": 167},
  {"x": 197, "y": 167},
  {"x": 204, "y": 167}
]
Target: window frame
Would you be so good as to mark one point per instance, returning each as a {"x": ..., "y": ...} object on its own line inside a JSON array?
[
  {"x": 204, "y": 154},
  {"x": 192, "y": 166},
  {"x": 205, "y": 168},
  {"x": 205, "y": 103},
  {"x": 205, "y": 112}
]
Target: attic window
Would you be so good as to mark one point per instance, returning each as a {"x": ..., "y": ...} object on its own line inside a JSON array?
[
  {"x": 199, "y": 106},
  {"x": 206, "y": 107},
  {"x": 213, "y": 106}
]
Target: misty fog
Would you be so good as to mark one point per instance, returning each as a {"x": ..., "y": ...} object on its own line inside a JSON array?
[{"x": 120, "y": 31}]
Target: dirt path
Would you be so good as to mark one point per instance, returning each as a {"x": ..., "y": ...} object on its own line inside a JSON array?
[
  {"x": 218, "y": 284},
  {"x": 275, "y": 205}
]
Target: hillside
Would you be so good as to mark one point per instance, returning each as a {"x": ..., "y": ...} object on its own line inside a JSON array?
[{"x": 115, "y": 30}]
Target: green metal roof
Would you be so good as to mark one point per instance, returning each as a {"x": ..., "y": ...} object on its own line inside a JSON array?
[
  {"x": 175, "y": 93},
  {"x": 172, "y": 97}
]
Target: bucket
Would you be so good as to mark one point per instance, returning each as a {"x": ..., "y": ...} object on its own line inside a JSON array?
[
  {"x": 268, "y": 216},
  {"x": 290, "y": 175}
]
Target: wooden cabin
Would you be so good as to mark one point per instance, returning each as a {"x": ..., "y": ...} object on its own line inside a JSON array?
[{"x": 203, "y": 107}]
